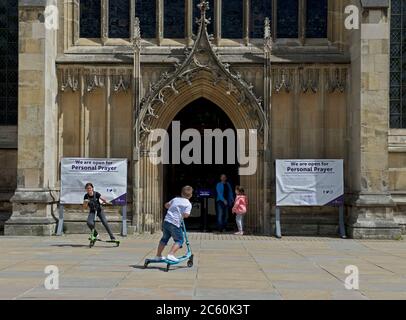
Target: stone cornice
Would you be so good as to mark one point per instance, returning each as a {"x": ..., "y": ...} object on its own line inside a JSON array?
[
  {"x": 32, "y": 3},
  {"x": 35, "y": 196},
  {"x": 369, "y": 4},
  {"x": 86, "y": 59}
]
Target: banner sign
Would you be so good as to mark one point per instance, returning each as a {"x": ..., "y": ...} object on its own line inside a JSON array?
[
  {"x": 309, "y": 182},
  {"x": 108, "y": 176},
  {"x": 204, "y": 193}
]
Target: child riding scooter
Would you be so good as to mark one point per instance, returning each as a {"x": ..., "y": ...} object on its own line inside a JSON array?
[
  {"x": 173, "y": 227},
  {"x": 92, "y": 201}
]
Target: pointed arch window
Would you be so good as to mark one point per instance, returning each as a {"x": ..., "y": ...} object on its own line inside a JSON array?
[{"x": 236, "y": 19}]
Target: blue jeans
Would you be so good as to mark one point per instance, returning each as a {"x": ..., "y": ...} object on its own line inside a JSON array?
[
  {"x": 222, "y": 215},
  {"x": 170, "y": 230}
]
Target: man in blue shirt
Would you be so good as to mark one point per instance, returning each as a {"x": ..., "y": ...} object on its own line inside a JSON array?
[{"x": 224, "y": 201}]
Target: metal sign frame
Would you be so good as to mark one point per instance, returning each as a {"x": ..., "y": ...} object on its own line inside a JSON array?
[
  {"x": 278, "y": 229},
  {"x": 124, "y": 228}
]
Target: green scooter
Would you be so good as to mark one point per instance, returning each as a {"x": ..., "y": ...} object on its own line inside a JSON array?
[{"x": 188, "y": 256}]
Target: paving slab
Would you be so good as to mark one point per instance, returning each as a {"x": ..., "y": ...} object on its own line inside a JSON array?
[{"x": 225, "y": 267}]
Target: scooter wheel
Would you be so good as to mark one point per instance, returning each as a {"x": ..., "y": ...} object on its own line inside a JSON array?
[
  {"x": 167, "y": 267},
  {"x": 190, "y": 263},
  {"x": 146, "y": 265},
  {"x": 91, "y": 244}
]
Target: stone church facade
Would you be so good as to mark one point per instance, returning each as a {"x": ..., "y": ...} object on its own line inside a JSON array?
[{"x": 115, "y": 70}]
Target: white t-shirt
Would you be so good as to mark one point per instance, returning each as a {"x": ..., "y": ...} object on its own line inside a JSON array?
[{"x": 179, "y": 206}]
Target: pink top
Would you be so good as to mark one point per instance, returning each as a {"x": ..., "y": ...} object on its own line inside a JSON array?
[{"x": 240, "y": 204}]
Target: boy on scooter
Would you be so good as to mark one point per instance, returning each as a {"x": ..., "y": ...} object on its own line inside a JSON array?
[{"x": 178, "y": 209}]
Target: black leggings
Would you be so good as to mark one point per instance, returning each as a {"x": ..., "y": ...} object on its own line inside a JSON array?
[{"x": 91, "y": 221}]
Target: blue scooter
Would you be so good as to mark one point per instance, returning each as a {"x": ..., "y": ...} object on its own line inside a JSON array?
[{"x": 188, "y": 256}]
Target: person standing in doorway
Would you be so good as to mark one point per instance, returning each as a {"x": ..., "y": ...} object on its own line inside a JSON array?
[
  {"x": 240, "y": 208},
  {"x": 224, "y": 201}
]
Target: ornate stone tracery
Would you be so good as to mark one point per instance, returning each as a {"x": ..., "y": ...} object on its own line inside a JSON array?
[
  {"x": 336, "y": 79},
  {"x": 201, "y": 58},
  {"x": 69, "y": 79},
  {"x": 308, "y": 79},
  {"x": 94, "y": 79},
  {"x": 283, "y": 79}
]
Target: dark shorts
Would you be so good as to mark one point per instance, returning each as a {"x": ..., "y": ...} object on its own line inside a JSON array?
[{"x": 170, "y": 230}]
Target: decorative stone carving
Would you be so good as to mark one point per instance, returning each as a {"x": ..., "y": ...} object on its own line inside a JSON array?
[
  {"x": 137, "y": 35},
  {"x": 309, "y": 79},
  {"x": 268, "y": 41},
  {"x": 121, "y": 80},
  {"x": 94, "y": 79},
  {"x": 202, "y": 57},
  {"x": 283, "y": 79},
  {"x": 69, "y": 79},
  {"x": 336, "y": 79}
]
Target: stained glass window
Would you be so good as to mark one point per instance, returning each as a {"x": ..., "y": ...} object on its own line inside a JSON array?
[
  {"x": 260, "y": 9},
  {"x": 398, "y": 65},
  {"x": 288, "y": 18},
  {"x": 119, "y": 19},
  {"x": 90, "y": 18},
  {"x": 174, "y": 19},
  {"x": 232, "y": 19},
  {"x": 145, "y": 10},
  {"x": 316, "y": 18},
  {"x": 8, "y": 62},
  {"x": 209, "y": 14}
]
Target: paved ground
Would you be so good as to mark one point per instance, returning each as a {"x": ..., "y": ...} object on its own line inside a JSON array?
[{"x": 226, "y": 267}]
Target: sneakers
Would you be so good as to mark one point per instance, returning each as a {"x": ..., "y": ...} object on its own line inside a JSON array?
[
  {"x": 159, "y": 258},
  {"x": 172, "y": 258},
  {"x": 94, "y": 235},
  {"x": 239, "y": 233}
]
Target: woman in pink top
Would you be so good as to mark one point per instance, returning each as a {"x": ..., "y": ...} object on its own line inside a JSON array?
[{"x": 240, "y": 208}]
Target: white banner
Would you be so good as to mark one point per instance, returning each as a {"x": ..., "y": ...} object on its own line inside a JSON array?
[
  {"x": 309, "y": 182},
  {"x": 108, "y": 176}
]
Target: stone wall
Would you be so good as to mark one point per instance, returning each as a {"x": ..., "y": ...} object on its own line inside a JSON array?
[
  {"x": 397, "y": 174},
  {"x": 371, "y": 206},
  {"x": 327, "y": 101},
  {"x": 34, "y": 202}
]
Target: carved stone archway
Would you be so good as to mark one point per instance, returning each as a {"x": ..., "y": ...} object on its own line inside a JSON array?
[{"x": 201, "y": 75}]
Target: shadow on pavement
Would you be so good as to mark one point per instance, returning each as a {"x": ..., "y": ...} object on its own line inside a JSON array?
[
  {"x": 78, "y": 246},
  {"x": 156, "y": 267}
]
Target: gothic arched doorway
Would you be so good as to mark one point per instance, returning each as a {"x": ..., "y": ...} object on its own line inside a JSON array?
[{"x": 201, "y": 114}]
